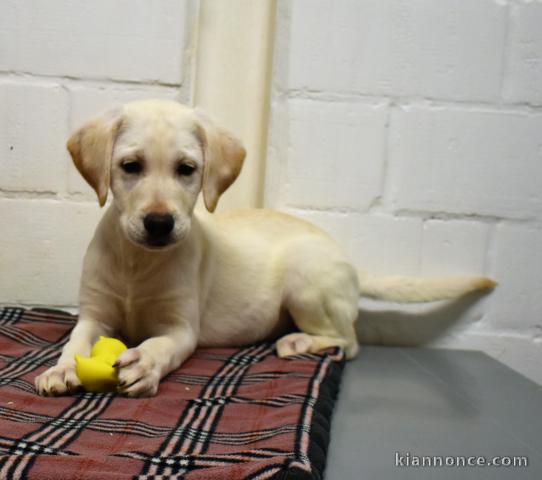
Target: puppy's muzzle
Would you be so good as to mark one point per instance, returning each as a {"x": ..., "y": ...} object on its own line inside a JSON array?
[{"x": 158, "y": 227}]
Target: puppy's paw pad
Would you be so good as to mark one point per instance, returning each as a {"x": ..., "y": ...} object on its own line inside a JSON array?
[{"x": 293, "y": 344}]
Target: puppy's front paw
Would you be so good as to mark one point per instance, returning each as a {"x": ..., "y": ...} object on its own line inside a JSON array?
[
  {"x": 138, "y": 374},
  {"x": 58, "y": 380}
]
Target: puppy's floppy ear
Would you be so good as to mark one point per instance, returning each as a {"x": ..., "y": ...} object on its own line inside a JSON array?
[
  {"x": 91, "y": 149},
  {"x": 223, "y": 159}
]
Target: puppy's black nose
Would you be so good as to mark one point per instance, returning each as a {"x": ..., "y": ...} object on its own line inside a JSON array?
[{"x": 158, "y": 225}]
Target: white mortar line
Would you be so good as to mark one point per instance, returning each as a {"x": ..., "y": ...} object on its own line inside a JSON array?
[
  {"x": 407, "y": 101},
  {"x": 86, "y": 81}
]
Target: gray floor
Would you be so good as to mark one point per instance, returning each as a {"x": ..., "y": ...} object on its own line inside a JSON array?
[{"x": 433, "y": 403}]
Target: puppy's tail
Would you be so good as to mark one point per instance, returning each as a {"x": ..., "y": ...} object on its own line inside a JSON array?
[{"x": 413, "y": 289}]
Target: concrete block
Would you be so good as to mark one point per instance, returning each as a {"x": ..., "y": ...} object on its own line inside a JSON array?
[
  {"x": 516, "y": 303},
  {"x": 131, "y": 40},
  {"x": 445, "y": 49},
  {"x": 466, "y": 161},
  {"x": 454, "y": 247},
  {"x": 336, "y": 154},
  {"x": 41, "y": 253},
  {"x": 523, "y": 75},
  {"x": 8, "y": 32},
  {"x": 33, "y": 131}
]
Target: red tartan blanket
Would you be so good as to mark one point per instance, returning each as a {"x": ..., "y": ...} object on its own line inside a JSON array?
[{"x": 227, "y": 413}]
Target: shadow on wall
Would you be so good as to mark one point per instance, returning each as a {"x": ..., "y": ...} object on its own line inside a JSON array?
[{"x": 413, "y": 329}]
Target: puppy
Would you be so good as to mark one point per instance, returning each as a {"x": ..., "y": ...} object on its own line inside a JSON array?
[{"x": 167, "y": 279}]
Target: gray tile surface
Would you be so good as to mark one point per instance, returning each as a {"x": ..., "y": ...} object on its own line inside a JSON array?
[{"x": 433, "y": 403}]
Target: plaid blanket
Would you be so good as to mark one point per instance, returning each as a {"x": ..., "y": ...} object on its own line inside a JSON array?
[{"x": 227, "y": 413}]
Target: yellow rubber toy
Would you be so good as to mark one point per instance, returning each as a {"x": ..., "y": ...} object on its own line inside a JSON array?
[{"x": 96, "y": 372}]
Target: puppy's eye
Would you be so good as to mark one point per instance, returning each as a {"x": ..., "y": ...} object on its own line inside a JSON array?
[
  {"x": 132, "y": 167},
  {"x": 185, "y": 170}
]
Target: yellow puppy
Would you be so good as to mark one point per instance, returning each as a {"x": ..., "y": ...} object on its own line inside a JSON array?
[{"x": 168, "y": 279}]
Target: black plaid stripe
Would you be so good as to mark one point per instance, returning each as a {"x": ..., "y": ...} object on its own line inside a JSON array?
[
  {"x": 45, "y": 363},
  {"x": 229, "y": 372},
  {"x": 10, "y": 446},
  {"x": 14, "y": 415},
  {"x": 274, "y": 402},
  {"x": 57, "y": 434},
  {"x": 280, "y": 401},
  {"x": 45, "y": 315},
  {"x": 22, "y": 336},
  {"x": 248, "y": 379},
  {"x": 10, "y": 315},
  {"x": 180, "y": 462},
  {"x": 16, "y": 367},
  {"x": 233, "y": 380},
  {"x": 23, "y": 385},
  {"x": 31, "y": 360},
  {"x": 268, "y": 472},
  {"x": 242, "y": 438},
  {"x": 65, "y": 427}
]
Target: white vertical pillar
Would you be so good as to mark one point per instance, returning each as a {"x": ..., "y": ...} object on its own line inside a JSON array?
[{"x": 232, "y": 82}]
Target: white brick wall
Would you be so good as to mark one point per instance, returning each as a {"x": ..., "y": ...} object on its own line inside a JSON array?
[
  {"x": 60, "y": 63},
  {"x": 412, "y": 132}
]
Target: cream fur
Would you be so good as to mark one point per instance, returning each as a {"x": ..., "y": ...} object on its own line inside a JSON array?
[{"x": 225, "y": 279}]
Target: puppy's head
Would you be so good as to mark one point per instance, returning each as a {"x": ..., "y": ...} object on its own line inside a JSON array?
[{"x": 156, "y": 156}]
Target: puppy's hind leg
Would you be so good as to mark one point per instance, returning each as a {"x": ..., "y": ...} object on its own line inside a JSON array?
[
  {"x": 299, "y": 342},
  {"x": 324, "y": 306}
]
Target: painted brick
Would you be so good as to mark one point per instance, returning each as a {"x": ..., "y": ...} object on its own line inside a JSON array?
[
  {"x": 126, "y": 39},
  {"x": 389, "y": 245},
  {"x": 523, "y": 76},
  {"x": 378, "y": 243},
  {"x": 33, "y": 129},
  {"x": 454, "y": 247},
  {"x": 43, "y": 249},
  {"x": 445, "y": 49},
  {"x": 336, "y": 154},
  {"x": 466, "y": 161},
  {"x": 8, "y": 31},
  {"x": 87, "y": 102},
  {"x": 518, "y": 269}
]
